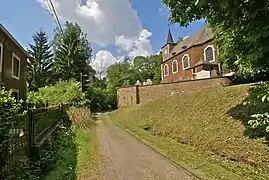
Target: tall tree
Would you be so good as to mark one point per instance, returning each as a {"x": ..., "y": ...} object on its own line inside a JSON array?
[
  {"x": 39, "y": 66},
  {"x": 120, "y": 74},
  {"x": 241, "y": 29},
  {"x": 156, "y": 61},
  {"x": 72, "y": 54},
  {"x": 148, "y": 67},
  {"x": 143, "y": 67}
]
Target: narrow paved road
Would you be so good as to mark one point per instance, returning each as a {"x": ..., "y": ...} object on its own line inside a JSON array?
[{"x": 126, "y": 158}]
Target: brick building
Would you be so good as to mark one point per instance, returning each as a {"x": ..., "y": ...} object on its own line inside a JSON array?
[{"x": 196, "y": 57}]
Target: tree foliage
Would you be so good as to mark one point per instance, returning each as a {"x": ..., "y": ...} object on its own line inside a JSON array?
[
  {"x": 180, "y": 39},
  {"x": 62, "y": 92},
  {"x": 127, "y": 73},
  {"x": 39, "y": 66},
  {"x": 241, "y": 29},
  {"x": 9, "y": 108},
  {"x": 101, "y": 100},
  {"x": 260, "y": 96},
  {"x": 119, "y": 73},
  {"x": 72, "y": 54}
]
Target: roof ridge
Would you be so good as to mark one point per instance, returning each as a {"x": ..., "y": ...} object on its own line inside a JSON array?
[
  {"x": 13, "y": 39},
  {"x": 201, "y": 36}
]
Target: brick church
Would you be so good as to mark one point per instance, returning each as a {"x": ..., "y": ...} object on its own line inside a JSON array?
[{"x": 196, "y": 57}]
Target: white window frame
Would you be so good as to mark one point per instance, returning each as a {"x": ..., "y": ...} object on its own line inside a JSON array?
[
  {"x": 214, "y": 58},
  {"x": 173, "y": 66},
  {"x": 1, "y": 56},
  {"x": 165, "y": 75},
  {"x": 17, "y": 91},
  {"x": 17, "y": 57},
  {"x": 185, "y": 55}
]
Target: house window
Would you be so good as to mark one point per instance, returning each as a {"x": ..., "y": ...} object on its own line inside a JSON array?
[
  {"x": 16, "y": 94},
  {"x": 209, "y": 53},
  {"x": 15, "y": 66},
  {"x": 175, "y": 66},
  {"x": 1, "y": 56},
  {"x": 185, "y": 61},
  {"x": 166, "y": 70}
]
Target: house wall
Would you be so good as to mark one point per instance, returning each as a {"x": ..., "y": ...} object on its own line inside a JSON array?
[
  {"x": 196, "y": 54},
  {"x": 127, "y": 96},
  {"x": 10, "y": 47}
]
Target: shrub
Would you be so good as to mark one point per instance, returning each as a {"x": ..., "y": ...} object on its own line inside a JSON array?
[
  {"x": 260, "y": 95},
  {"x": 80, "y": 116},
  {"x": 8, "y": 108},
  {"x": 101, "y": 100},
  {"x": 63, "y": 92}
]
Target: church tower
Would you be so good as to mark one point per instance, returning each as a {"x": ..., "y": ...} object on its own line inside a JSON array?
[{"x": 167, "y": 48}]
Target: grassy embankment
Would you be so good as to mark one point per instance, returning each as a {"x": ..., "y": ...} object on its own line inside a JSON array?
[
  {"x": 77, "y": 156},
  {"x": 205, "y": 131}
]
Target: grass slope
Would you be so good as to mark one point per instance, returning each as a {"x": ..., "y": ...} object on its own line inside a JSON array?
[{"x": 205, "y": 131}]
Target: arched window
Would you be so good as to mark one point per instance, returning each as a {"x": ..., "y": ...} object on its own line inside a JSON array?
[
  {"x": 175, "y": 66},
  {"x": 185, "y": 61},
  {"x": 166, "y": 70},
  {"x": 209, "y": 53}
]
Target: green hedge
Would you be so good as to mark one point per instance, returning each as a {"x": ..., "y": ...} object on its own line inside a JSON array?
[{"x": 62, "y": 92}]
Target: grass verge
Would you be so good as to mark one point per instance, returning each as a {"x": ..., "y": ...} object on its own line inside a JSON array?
[
  {"x": 76, "y": 156},
  {"x": 204, "y": 131}
]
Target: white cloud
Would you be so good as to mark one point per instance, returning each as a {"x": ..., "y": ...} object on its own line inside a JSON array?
[
  {"x": 106, "y": 22},
  {"x": 137, "y": 46},
  {"x": 102, "y": 61},
  {"x": 102, "y": 20}
]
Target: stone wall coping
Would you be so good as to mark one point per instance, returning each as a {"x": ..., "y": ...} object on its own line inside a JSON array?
[{"x": 178, "y": 82}]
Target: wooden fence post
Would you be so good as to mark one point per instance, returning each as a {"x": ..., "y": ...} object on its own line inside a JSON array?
[
  {"x": 61, "y": 110},
  {"x": 33, "y": 150},
  {"x": 30, "y": 132}
]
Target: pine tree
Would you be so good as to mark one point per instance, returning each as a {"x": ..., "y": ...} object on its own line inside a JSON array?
[
  {"x": 72, "y": 53},
  {"x": 39, "y": 66}
]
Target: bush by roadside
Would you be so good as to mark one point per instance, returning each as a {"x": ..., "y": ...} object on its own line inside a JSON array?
[
  {"x": 102, "y": 99},
  {"x": 63, "y": 92},
  {"x": 75, "y": 148}
]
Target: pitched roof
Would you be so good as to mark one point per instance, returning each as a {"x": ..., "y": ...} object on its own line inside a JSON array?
[
  {"x": 203, "y": 35},
  {"x": 14, "y": 40}
]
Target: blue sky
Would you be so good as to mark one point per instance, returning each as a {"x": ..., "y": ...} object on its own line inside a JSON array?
[{"x": 24, "y": 17}]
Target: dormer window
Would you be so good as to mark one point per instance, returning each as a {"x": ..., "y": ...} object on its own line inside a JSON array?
[{"x": 184, "y": 47}]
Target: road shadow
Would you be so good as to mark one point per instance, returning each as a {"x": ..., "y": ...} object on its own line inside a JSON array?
[{"x": 243, "y": 112}]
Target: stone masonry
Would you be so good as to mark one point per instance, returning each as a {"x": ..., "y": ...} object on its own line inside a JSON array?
[{"x": 128, "y": 96}]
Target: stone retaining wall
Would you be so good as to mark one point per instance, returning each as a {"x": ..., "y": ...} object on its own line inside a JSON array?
[{"x": 128, "y": 96}]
